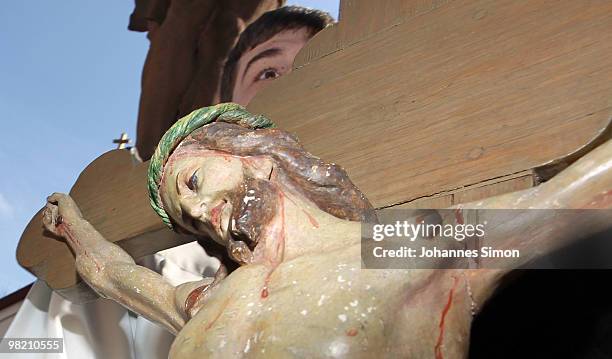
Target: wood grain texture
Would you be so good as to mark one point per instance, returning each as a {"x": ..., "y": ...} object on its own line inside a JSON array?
[
  {"x": 493, "y": 189},
  {"x": 434, "y": 202},
  {"x": 463, "y": 93},
  {"x": 486, "y": 189},
  {"x": 360, "y": 19}
]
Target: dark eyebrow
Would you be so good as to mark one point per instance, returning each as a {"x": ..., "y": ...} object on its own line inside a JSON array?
[{"x": 266, "y": 53}]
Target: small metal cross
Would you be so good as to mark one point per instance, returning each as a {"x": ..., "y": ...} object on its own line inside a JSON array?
[{"x": 122, "y": 141}]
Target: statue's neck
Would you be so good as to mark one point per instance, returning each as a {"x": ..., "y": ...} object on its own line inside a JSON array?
[{"x": 300, "y": 228}]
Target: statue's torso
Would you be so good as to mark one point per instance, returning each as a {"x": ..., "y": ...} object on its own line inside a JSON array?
[{"x": 320, "y": 305}]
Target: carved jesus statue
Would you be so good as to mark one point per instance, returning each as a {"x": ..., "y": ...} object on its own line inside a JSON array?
[{"x": 293, "y": 224}]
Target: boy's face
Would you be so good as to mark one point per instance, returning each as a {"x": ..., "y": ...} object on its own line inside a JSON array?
[{"x": 265, "y": 62}]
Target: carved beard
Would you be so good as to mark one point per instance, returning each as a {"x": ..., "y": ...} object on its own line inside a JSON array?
[{"x": 254, "y": 207}]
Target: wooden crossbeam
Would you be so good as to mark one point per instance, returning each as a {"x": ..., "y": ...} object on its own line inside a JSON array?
[{"x": 452, "y": 94}]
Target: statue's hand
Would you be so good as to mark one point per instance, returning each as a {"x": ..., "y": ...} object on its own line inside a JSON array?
[{"x": 60, "y": 208}]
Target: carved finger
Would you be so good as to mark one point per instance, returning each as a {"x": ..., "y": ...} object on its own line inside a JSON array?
[
  {"x": 50, "y": 216},
  {"x": 55, "y": 197},
  {"x": 67, "y": 206},
  {"x": 47, "y": 220}
]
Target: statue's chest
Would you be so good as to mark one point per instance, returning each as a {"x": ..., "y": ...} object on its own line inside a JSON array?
[{"x": 303, "y": 308}]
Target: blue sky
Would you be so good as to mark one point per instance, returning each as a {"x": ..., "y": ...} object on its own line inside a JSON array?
[{"x": 69, "y": 84}]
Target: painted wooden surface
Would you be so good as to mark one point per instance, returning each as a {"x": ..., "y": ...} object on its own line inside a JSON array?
[
  {"x": 493, "y": 188},
  {"x": 486, "y": 189},
  {"x": 360, "y": 19},
  {"x": 458, "y": 93}
]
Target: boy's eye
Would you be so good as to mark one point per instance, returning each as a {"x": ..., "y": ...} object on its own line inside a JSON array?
[
  {"x": 192, "y": 184},
  {"x": 268, "y": 74}
]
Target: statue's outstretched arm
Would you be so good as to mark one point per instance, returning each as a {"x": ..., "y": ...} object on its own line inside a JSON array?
[
  {"x": 109, "y": 270},
  {"x": 586, "y": 184}
]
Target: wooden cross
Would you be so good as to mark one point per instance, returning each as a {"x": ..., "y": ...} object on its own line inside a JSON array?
[{"x": 425, "y": 103}]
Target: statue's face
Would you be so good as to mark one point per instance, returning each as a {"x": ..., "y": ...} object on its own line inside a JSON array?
[
  {"x": 207, "y": 192},
  {"x": 267, "y": 61}
]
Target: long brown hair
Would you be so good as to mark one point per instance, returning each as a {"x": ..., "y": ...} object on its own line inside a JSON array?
[{"x": 325, "y": 184}]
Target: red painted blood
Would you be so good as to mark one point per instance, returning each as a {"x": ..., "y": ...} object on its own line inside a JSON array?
[{"x": 449, "y": 302}]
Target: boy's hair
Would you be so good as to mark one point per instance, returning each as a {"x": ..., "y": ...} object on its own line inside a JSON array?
[{"x": 263, "y": 29}]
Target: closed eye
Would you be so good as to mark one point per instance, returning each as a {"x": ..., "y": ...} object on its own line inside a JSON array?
[{"x": 192, "y": 183}]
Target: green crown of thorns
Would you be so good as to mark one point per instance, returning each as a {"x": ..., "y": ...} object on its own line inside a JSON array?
[{"x": 225, "y": 112}]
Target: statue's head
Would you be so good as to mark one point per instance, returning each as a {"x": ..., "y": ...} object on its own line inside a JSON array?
[{"x": 220, "y": 172}]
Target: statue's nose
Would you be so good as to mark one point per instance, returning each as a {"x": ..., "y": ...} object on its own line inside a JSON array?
[{"x": 194, "y": 208}]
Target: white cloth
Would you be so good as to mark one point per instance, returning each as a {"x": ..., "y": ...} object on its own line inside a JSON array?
[{"x": 103, "y": 329}]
